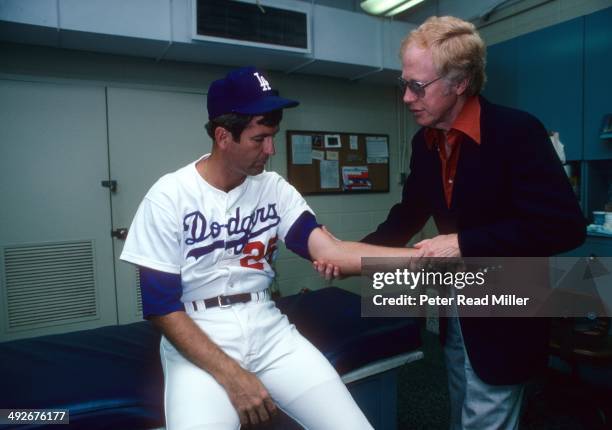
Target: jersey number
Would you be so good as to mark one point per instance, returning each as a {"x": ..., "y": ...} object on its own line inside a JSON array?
[{"x": 255, "y": 251}]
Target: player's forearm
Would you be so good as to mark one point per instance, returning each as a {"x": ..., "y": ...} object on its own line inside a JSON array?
[
  {"x": 347, "y": 255},
  {"x": 194, "y": 344}
]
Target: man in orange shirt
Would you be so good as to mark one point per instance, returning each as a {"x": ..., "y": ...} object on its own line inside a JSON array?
[{"x": 491, "y": 180}]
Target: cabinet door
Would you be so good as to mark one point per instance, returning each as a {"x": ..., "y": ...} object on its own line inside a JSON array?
[
  {"x": 598, "y": 83},
  {"x": 550, "y": 80},
  {"x": 501, "y": 86}
]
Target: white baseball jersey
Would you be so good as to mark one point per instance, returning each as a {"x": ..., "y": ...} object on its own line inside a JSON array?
[{"x": 218, "y": 242}]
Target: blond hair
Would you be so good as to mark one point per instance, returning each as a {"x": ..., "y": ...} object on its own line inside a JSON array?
[{"x": 458, "y": 51}]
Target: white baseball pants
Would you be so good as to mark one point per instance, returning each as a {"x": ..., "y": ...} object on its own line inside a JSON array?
[{"x": 298, "y": 377}]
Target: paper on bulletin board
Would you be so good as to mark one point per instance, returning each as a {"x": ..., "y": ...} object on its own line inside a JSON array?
[
  {"x": 356, "y": 178},
  {"x": 377, "y": 147},
  {"x": 318, "y": 155},
  {"x": 353, "y": 142},
  {"x": 333, "y": 141},
  {"x": 378, "y": 160},
  {"x": 330, "y": 178},
  {"x": 332, "y": 155},
  {"x": 301, "y": 149}
]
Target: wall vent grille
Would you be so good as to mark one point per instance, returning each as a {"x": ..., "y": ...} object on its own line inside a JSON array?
[
  {"x": 245, "y": 22},
  {"x": 49, "y": 284}
]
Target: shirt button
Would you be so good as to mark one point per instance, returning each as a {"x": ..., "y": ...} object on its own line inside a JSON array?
[
  {"x": 230, "y": 284},
  {"x": 450, "y": 181}
]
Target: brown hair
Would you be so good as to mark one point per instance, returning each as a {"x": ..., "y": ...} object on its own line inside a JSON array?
[{"x": 236, "y": 123}]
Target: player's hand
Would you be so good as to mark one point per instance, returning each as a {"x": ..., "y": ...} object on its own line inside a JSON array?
[
  {"x": 444, "y": 245},
  {"x": 327, "y": 270},
  {"x": 250, "y": 398}
]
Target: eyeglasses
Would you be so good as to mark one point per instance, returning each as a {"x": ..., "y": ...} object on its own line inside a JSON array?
[{"x": 417, "y": 88}]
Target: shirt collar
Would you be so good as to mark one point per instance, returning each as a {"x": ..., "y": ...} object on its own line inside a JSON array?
[{"x": 467, "y": 122}]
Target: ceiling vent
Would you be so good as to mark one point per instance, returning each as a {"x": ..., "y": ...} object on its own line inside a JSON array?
[{"x": 247, "y": 23}]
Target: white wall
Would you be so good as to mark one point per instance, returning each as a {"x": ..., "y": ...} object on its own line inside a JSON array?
[
  {"x": 327, "y": 104},
  {"x": 335, "y": 105}
]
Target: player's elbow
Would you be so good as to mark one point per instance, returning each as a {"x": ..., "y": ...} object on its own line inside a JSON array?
[{"x": 322, "y": 247}]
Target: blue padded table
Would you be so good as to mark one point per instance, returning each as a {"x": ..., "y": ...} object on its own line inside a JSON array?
[{"x": 111, "y": 377}]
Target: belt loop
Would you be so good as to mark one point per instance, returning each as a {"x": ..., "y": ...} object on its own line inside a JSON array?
[{"x": 189, "y": 307}]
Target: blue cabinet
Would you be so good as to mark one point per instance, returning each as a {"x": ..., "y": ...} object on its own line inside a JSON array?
[
  {"x": 563, "y": 75},
  {"x": 550, "y": 76},
  {"x": 542, "y": 73},
  {"x": 502, "y": 74},
  {"x": 598, "y": 83},
  {"x": 593, "y": 246}
]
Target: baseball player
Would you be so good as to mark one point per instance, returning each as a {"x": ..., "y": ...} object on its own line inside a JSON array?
[{"x": 204, "y": 238}]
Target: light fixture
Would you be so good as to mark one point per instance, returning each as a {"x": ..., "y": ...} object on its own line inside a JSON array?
[{"x": 388, "y": 7}]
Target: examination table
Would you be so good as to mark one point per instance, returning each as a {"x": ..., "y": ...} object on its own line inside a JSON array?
[{"x": 111, "y": 377}]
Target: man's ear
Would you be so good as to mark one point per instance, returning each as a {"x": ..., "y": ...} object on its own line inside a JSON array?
[
  {"x": 222, "y": 137},
  {"x": 461, "y": 86}
]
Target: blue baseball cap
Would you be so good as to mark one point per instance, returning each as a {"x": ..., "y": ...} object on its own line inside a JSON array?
[{"x": 245, "y": 91}]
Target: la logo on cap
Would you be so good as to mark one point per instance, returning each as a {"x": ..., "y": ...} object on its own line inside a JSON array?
[{"x": 265, "y": 86}]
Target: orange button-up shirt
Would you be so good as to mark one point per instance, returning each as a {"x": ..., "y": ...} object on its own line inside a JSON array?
[{"x": 448, "y": 143}]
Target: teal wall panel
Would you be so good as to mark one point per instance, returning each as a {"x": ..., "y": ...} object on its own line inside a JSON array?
[
  {"x": 502, "y": 74},
  {"x": 598, "y": 83},
  {"x": 550, "y": 77},
  {"x": 542, "y": 73}
]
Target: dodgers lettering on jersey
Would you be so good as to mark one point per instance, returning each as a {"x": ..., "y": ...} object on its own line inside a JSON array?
[
  {"x": 219, "y": 243},
  {"x": 246, "y": 228}
]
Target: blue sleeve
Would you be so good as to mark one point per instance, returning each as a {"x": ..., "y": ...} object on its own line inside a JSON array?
[
  {"x": 161, "y": 292},
  {"x": 297, "y": 237}
]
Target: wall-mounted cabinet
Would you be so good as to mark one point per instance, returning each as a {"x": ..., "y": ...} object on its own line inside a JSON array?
[
  {"x": 598, "y": 86},
  {"x": 549, "y": 75},
  {"x": 562, "y": 75},
  {"x": 502, "y": 66},
  {"x": 541, "y": 73}
]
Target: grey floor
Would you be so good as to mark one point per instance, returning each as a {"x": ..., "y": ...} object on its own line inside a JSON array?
[
  {"x": 553, "y": 402},
  {"x": 422, "y": 390}
]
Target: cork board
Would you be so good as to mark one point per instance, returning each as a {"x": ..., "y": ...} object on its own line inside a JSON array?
[{"x": 326, "y": 162}]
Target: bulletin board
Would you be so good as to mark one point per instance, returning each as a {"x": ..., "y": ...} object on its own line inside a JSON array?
[{"x": 325, "y": 162}]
